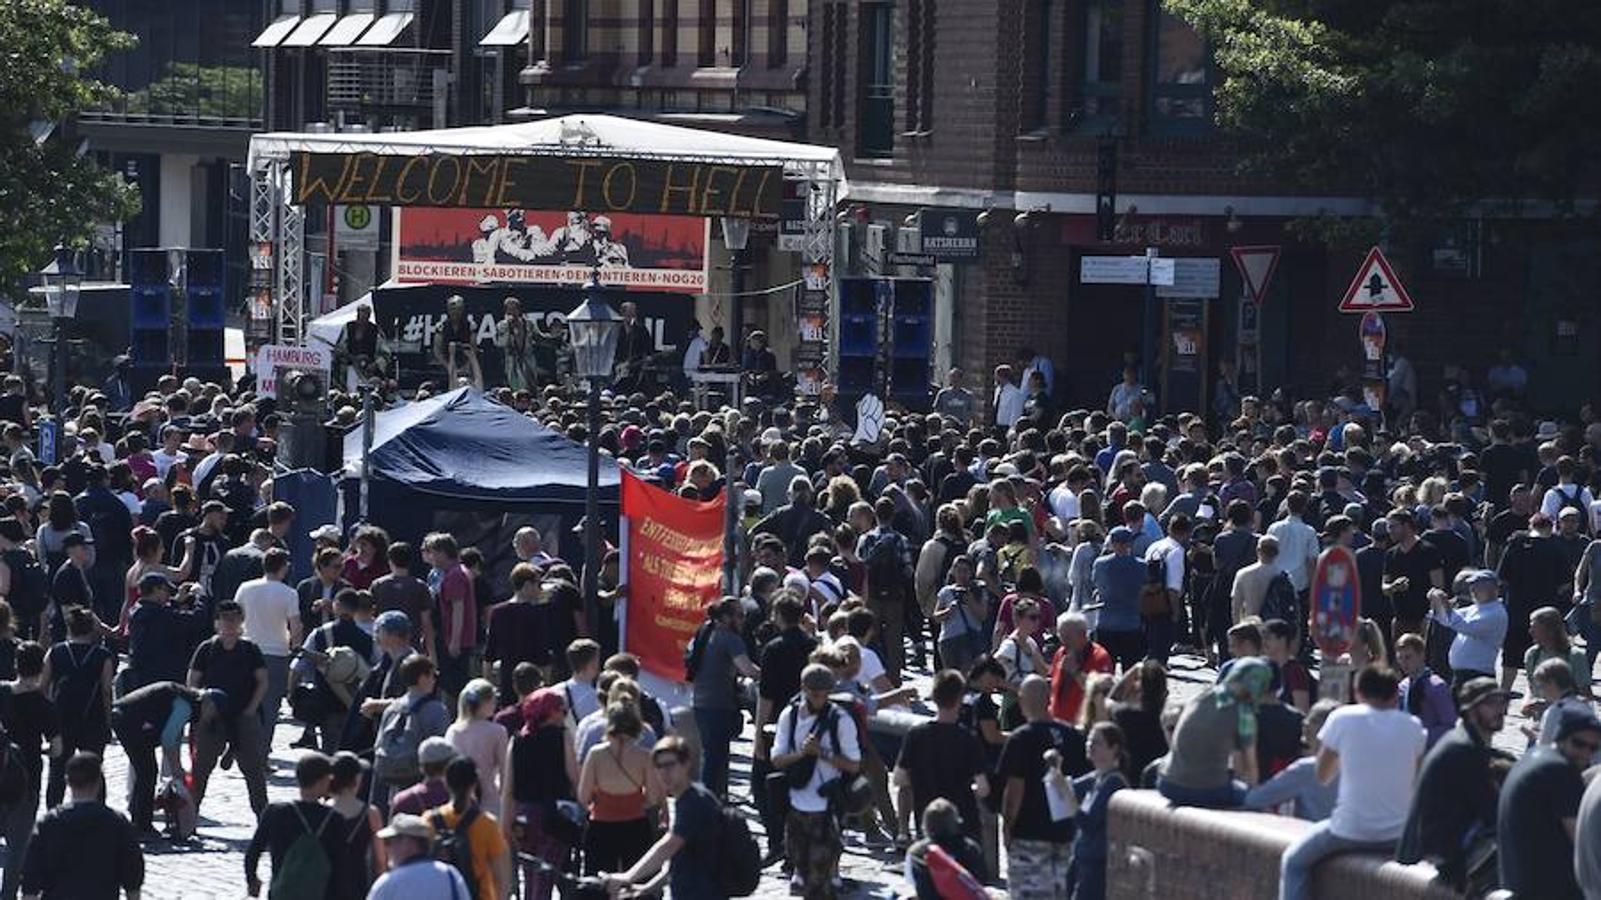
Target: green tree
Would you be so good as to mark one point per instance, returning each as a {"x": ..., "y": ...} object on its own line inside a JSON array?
[
  {"x": 206, "y": 92},
  {"x": 48, "y": 192},
  {"x": 1428, "y": 107}
]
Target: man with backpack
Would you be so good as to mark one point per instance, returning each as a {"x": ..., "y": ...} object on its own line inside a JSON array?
[
  {"x": 301, "y": 836},
  {"x": 890, "y": 577},
  {"x": 1568, "y": 493},
  {"x": 84, "y": 848},
  {"x": 335, "y": 659},
  {"x": 817, "y": 747},
  {"x": 713, "y": 661},
  {"x": 78, "y": 675},
  {"x": 153, "y": 717},
  {"x": 23, "y": 582},
  {"x": 111, "y": 525},
  {"x": 1162, "y": 602},
  {"x": 407, "y": 721},
  {"x": 230, "y": 663},
  {"x": 468, "y": 839},
  {"x": 703, "y": 855},
  {"x": 69, "y": 586},
  {"x": 783, "y": 660}
]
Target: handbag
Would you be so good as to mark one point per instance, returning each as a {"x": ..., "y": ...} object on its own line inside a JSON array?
[
  {"x": 563, "y": 821},
  {"x": 847, "y": 795}
]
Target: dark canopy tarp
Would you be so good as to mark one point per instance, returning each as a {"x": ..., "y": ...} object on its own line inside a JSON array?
[{"x": 463, "y": 447}]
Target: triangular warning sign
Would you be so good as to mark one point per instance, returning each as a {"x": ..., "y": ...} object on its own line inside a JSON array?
[
  {"x": 1375, "y": 287},
  {"x": 1256, "y": 265}
]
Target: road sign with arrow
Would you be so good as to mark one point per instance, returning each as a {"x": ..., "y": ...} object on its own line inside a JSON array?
[{"x": 1375, "y": 288}]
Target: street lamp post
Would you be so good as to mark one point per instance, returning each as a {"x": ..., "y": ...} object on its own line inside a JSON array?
[
  {"x": 63, "y": 282},
  {"x": 736, "y": 237},
  {"x": 593, "y": 329}
]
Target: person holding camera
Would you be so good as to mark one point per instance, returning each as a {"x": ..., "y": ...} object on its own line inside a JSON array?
[
  {"x": 163, "y": 629},
  {"x": 816, "y": 746}
]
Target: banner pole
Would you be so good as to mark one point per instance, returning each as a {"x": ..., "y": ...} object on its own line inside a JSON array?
[{"x": 730, "y": 522}]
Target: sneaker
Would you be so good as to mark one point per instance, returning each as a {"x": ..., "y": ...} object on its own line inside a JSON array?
[
  {"x": 773, "y": 856},
  {"x": 797, "y": 888},
  {"x": 306, "y": 741},
  {"x": 227, "y": 759},
  {"x": 877, "y": 838}
]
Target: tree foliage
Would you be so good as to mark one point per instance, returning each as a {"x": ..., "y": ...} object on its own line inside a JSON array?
[
  {"x": 48, "y": 192},
  {"x": 1428, "y": 107}
]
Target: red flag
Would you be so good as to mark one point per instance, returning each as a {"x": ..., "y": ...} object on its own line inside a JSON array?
[{"x": 674, "y": 555}]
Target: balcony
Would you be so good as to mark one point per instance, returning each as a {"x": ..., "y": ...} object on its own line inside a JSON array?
[{"x": 390, "y": 80}]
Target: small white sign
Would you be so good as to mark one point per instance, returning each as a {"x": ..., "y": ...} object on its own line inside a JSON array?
[
  {"x": 356, "y": 227},
  {"x": 1126, "y": 270},
  {"x": 272, "y": 359},
  {"x": 1198, "y": 278}
]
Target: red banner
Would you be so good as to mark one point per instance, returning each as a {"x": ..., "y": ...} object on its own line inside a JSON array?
[
  {"x": 481, "y": 246},
  {"x": 674, "y": 552}
]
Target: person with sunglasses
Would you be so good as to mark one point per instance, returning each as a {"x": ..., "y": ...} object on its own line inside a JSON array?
[
  {"x": 1539, "y": 807},
  {"x": 685, "y": 857}
]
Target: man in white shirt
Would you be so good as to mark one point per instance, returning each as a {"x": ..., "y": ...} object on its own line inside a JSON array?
[
  {"x": 171, "y": 450},
  {"x": 1038, "y": 362},
  {"x": 1009, "y": 398},
  {"x": 272, "y": 622},
  {"x": 1374, "y": 749},
  {"x": 1567, "y": 492},
  {"x": 1298, "y": 543},
  {"x": 695, "y": 351},
  {"x": 1120, "y": 405},
  {"x": 817, "y": 734},
  {"x": 578, "y": 692},
  {"x": 1160, "y": 631}
]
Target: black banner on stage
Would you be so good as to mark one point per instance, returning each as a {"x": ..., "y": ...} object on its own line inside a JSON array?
[
  {"x": 411, "y": 315},
  {"x": 592, "y": 184}
]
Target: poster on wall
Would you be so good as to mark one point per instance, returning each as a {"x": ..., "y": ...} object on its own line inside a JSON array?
[{"x": 516, "y": 246}]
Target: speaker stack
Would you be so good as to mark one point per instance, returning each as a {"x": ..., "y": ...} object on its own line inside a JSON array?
[{"x": 177, "y": 316}]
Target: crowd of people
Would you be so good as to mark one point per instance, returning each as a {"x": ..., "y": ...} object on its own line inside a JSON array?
[{"x": 483, "y": 734}]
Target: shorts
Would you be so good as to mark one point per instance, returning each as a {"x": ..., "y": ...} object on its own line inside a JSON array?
[{"x": 1037, "y": 870}]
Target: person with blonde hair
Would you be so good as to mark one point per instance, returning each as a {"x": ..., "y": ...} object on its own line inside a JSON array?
[
  {"x": 477, "y": 736},
  {"x": 1550, "y": 641},
  {"x": 1097, "y": 701},
  {"x": 619, "y": 787}
]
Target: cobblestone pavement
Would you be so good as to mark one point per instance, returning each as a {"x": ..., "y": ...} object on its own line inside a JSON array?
[{"x": 213, "y": 866}]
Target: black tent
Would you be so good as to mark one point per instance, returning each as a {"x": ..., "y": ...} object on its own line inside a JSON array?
[{"x": 462, "y": 464}]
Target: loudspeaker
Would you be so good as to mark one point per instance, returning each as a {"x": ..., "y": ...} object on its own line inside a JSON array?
[
  {"x": 912, "y": 342},
  {"x": 205, "y": 316},
  {"x": 150, "y": 298}
]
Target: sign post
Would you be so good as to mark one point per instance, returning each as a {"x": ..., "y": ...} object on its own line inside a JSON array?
[
  {"x": 1336, "y": 603},
  {"x": 1373, "y": 334}
]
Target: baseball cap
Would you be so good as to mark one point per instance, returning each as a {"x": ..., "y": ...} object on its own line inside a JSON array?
[
  {"x": 1122, "y": 534},
  {"x": 211, "y": 506},
  {"x": 393, "y": 622},
  {"x": 153, "y": 580},
  {"x": 324, "y": 533},
  {"x": 1475, "y": 691},
  {"x": 435, "y": 750},
  {"x": 406, "y": 825},
  {"x": 76, "y": 539},
  {"x": 1481, "y": 576},
  {"x": 1574, "y": 720}
]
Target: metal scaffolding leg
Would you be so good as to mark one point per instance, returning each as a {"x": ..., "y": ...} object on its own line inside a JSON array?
[
  {"x": 290, "y": 252},
  {"x": 817, "y": 253}
]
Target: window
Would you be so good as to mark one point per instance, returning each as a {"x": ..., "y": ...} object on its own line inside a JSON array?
[
  {"x": 920, "y": 65},
  {"x": 706, "y": 31},
  {"x": 1039, "y": 68},
  {"x": 1181, "y": 83},
  {"x": 1101, "y": 88},
  {"x": 647, "y": 30},
  {"x": 670, "y": 33},
  {"x": 574, "y": 30},
  {"x": 742, "y": 24},
  {"x": 777, "y": 32},
  {"x": 876, "y": 116}
]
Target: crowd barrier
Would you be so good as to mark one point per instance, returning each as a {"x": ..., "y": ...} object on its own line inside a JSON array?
[{"x": 1182, "y": 853}]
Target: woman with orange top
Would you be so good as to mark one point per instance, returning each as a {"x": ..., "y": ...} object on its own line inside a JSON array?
[{"x": 619, "y": 786}]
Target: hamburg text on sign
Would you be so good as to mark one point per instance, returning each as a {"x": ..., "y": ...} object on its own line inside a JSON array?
[
  {"x": 596, "y": 184},
  {"x": 1376, "y": 287},
  {"x": 272, "y": 359}
]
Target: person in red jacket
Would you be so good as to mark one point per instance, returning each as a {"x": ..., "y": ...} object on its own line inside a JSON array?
[{"x": 1075, "y": 660}]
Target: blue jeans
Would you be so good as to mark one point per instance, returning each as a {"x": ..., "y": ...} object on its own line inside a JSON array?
[
  {"x": 1228, "y": 796},
  {"x": 718, "y": 728},
  {"x": 1301, "y": 857}
]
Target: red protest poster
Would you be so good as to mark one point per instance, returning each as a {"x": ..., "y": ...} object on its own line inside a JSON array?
[
  {"x": 530, "y": 246},
  {"x": 673, "y": 548}
]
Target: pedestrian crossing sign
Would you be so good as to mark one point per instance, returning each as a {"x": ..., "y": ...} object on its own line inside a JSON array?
[{"x": 1375, "y": 288}]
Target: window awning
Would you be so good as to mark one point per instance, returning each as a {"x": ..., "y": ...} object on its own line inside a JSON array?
[
  {"x": 384, "y": 31},
  {"x": 311, "y": 30},
  {"x": 511, "y": 30},
  {"x": 347, "y": 30},
  {"x": 274, "y": 34}
]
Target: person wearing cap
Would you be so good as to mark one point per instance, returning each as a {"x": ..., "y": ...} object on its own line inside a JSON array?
[
  {"x": 434, "y": 754},
  {"x": 812, "y": 734},
  {"x": 1537, "y": 814},
  {"x": 413, "y": 872},
  {"x": 392, "y": 645},
  {"x": 1480, "y": 628},
  {"x": 153, "y": 717},
  {"x": 1454, "y": 806},
  {"x": 69, "y": 586},
  {"x": 1374, "y": 749},
  {"x": 161, "y": 634},
  {"x": 1117, "y": 579}
]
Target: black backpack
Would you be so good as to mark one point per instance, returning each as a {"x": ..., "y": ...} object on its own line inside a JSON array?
[
  {"x": 1280, "y": 601},
  {"x": 886, "y": 570},
  {"x": 30, "y": 589},
  {"x": 1574, "y": 500},
  {"x": 452, "y": 847},
  {"x": 695, "y": 650},
  {"x": 739, "y": 858}
]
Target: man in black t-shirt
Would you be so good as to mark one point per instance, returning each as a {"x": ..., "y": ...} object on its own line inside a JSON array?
[
  {"x": 78, "y": 674},
  {"x": 211, "y": 544},
  {"x": 83, "y": 831},
  {"x": 685, "y": 858},
  {"x": 236, "y": 667},
  {"x": 1037, "y": 846},
  {"x": 29, "y": 721},
  {"x": 1411, "y": 567},
  {"x": 943, "y": 759},
  {"x": 152, "y": 717},
  {"x": 1504, "y": 524},
  {"x": 1539, "y": 809},
  {"x": 281, "y": 824},
  {"x": 1503, "y": 464}
]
